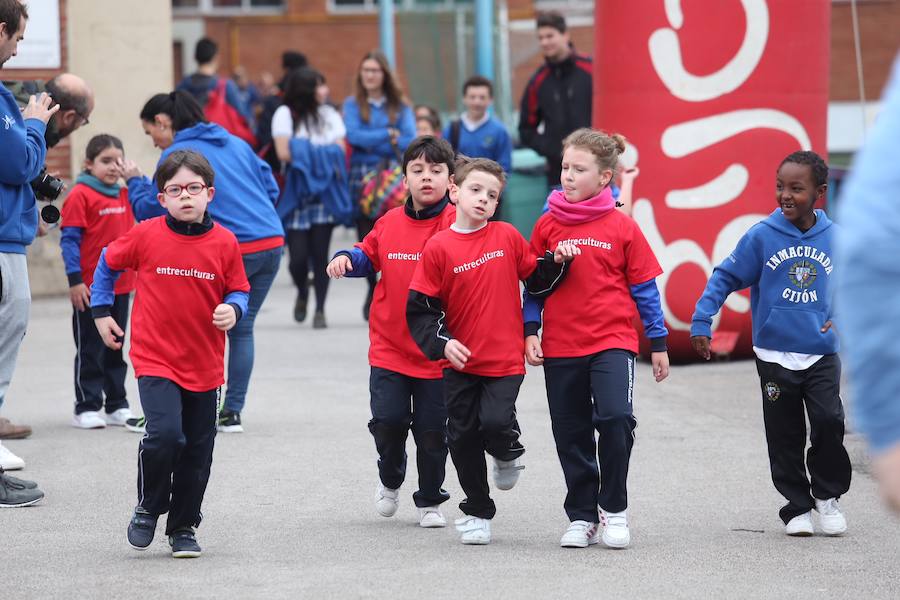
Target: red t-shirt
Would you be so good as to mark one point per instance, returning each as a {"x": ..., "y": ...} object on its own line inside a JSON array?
[
  {"x": 476, "y": 276},
  {"x": 394, "y": 247},
  {"x": 103, "y": 220},
  {"x": 592, "y": 310},
  {"x": 181, "y": 280}
]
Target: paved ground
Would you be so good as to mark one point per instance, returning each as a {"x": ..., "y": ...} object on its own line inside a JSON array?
[{"x": 289, "y": 508}]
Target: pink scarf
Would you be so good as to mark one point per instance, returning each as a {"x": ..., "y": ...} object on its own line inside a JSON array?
[{"x": 573, "y": 213}]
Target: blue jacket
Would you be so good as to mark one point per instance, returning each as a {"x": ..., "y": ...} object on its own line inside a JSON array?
[
  {"x": 789, "y": 276},
  {"x": 316, "y": 171},
  {"x": 370, "y": 140},
  {"x": 490, "y": 140},
  {"x": 246, "y": 191},
  {"x": 869, "y": 275},
  {"x": 22, "y": 154}
]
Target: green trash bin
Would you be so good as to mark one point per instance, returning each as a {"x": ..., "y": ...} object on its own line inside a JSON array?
[{"x": 526, "y": 190}]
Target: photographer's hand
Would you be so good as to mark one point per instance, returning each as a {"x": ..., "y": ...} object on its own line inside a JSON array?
[
  {"x": 40, "y": 107},
  {"x": 80, "y": 295},
  {"x": 110, "y": 332}
]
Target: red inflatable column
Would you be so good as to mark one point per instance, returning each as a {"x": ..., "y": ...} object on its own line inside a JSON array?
[{"x": 711, "y": 96}]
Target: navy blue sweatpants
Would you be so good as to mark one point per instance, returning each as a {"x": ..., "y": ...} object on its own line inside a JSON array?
[
  {"x": 400, "y": 402},
  {"x": 175, "y": 455},
  {"x": 588, "y": 394}
]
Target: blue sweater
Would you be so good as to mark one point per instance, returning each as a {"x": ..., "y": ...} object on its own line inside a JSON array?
[
  {"x": 246, "y": 191},
  {"x": 869, "y": 275},
  {"x": 490, "y": 140},
  {"x": 789, "y": 276},
  {"x": 22, "y": 154},
  {"x": 370, "y": 140}
]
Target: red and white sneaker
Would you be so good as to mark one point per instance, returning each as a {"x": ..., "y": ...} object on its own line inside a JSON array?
[
  {"x": 580, "y": 534},
  {"x": 615, "y": 529}
]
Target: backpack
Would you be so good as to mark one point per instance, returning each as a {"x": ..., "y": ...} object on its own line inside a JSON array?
[{"x": 217, "y": 110}]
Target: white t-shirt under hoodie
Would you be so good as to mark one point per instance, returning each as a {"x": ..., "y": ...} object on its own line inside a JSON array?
[{"x": 330, "y": 127}]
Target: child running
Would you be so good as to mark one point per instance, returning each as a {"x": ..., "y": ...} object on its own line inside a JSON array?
[
  {"x": 95, "y": 213},
  {"x": 589, "y": 343},
  {"x": 464, "y": 307},
  {"x": 406, "y": 389},
  {"x": 786, "y": 261},
  {"x": 191, "y": 289}
]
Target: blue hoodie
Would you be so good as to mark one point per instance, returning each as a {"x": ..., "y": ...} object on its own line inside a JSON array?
[
  {"x": 22, "y": 154},
  {"x": 789, "y": 276},
  {"x": 246, "y": 192},
  {"x": 369, "y": 139}
]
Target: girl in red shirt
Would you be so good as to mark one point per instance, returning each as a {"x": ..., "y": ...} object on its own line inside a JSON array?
[
  {"x": 95, "y": 213},
  {"x": 589, "y": 343}
]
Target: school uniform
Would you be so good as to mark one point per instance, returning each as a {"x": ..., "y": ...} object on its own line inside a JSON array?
[
  {"x": 184, "y": 270},
  {"x": 93, "y": 215},
  {"x": 589, "y": 345},
  {"x": 789, "y": 273},
  {"x": 466, "y": 287},
  {"x": 406, "y": 389}
]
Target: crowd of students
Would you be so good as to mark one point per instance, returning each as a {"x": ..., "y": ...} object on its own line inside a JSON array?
[{"x": 213, "y": 223}]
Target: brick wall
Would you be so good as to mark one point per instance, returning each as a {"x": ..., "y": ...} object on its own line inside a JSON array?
[
  {"x": 879, "y": 28},
  {"x": 59, "y": 158}
]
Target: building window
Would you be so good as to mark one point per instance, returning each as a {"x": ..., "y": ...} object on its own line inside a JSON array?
[
  {"x": 228, "y": 7},
  {"x": 358, "y": 6}
]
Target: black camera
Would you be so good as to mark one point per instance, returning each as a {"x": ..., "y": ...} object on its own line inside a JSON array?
[{"x": 48, "y": 188}]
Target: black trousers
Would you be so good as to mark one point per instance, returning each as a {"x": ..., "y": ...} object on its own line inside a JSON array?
[
  {"x": 175, "y": 455},
  {"x": 99, "y": 370},
  {"x": 400, "y": 402},
  {"x": 784, "y": 395},
  {"x": 481, "y": 418},
  {"x": 310, "y": 247},
  {"x": 588, "y": 394}
]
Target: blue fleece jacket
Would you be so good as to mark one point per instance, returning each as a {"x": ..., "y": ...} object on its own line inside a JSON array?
[
  {"x": 869, "y": 275},
  {"x": 246, "y": 191},
  {"x": 316, "y": 171},
  {"x": 789, "y": 276},
  {"x": 490, "y": 140},
  {"x": 369, "y": 139},
  {"x": 22, "y": 154}
]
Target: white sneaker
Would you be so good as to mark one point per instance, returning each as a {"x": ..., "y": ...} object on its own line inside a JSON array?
[
  {"x": 615, "y": 529},
  {"x": 506, "y": 473},
  {"x": 88, "y": 420},
  {"x": 831, "y": 519},
  {"x": 431, "y": 516},
  {"x": 386, "y": 500},
  {"x": 475, "y": 531},
  {"x": 580, "y": 534},
  {"x": 9, "y": 461},
  {"x": 119, "y": 417},
  {"x": 800, "y": 526}
]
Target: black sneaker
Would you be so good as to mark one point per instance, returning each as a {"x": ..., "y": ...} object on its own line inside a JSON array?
[
  {"x": 319, "y": 320},
  {"x": 136, "y": 424},
  {"x": 141, "y": 529},
  {"x": 230, "y": 422},
  {"x": 15, "y": 493},
  {"x": 300, "y": 307},
  {"x": 184, "y": 544}
]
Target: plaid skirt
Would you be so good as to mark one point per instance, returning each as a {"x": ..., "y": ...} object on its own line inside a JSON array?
[{"x": 312, "y": 213}]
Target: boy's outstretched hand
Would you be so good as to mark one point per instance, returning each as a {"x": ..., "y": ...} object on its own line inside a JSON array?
[
  {"x": 565, "y": 253},
  {"x": 660, "y": 362},
  {"x": 110, "y": 332},
  {"x": 457, "y": 354},
  {"x": 339, "y": 266},
  {"x": 701, "y": 345},
  {"x": 533, "y": 352},
  {"x": 224, "y": 317}
]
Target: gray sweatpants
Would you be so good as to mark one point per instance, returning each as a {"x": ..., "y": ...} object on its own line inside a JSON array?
[{"x": 15, "y": 302}]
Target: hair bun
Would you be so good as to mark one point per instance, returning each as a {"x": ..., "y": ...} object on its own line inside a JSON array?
[{"x": 619, "y": 139}]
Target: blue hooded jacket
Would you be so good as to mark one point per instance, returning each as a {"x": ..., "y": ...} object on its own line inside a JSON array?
[
  {"x": 789, "y": 274},
  {"x": 317, "y": 171},
  {"x": 369, "y": 139},
  {"x": 246, "y": 191},
  {"x": 22, "y": 154}
]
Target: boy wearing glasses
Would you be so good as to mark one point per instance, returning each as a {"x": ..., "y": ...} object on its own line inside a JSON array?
[{"x": 191, "y": 289}]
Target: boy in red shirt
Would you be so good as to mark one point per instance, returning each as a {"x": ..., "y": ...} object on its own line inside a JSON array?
[
  {"x": 95, "y": 213},
  {"x": 191, "y": 289},
  {"x": 467, "y": 283},
  {"x": 399, "y": 371}
]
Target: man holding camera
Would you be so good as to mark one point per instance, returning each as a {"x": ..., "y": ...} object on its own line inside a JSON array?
[{"x": 22, "y": 154}]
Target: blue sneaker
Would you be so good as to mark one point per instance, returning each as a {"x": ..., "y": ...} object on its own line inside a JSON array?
[
  {"x": 141, "y": 529},
  {"x": 184, "y": 544}
]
